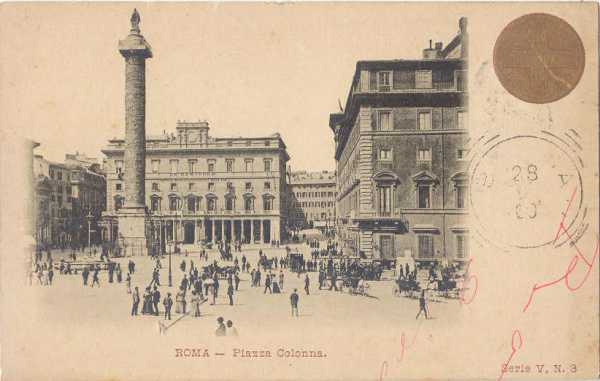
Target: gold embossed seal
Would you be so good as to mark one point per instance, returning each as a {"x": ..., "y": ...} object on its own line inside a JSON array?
[{"x": 539, "y": 58}]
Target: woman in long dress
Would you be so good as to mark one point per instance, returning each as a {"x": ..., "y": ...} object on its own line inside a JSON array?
[
  {"x": 196, "y": 304},
  {"x": 179, "y": 302}
]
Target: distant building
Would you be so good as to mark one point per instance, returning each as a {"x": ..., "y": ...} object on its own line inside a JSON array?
[
  {"x": 312, "y": 199},
  {"x": 401, "y": 148},
  {"x": 68, "y": 196},
  {"x": 201, "y": 188}
]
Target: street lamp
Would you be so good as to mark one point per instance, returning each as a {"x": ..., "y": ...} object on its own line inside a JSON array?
[{"x": 89, "y": 218}]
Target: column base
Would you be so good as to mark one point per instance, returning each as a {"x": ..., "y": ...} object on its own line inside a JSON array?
[{"x": 132, "y": 231}]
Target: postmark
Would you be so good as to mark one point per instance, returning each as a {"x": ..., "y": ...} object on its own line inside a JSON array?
[
  {"x": 539, "y": 58},
  {"x": 518, "y": 183}
]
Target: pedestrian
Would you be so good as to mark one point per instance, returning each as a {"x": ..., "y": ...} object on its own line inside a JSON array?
[
  {"x": 281, "y": 279},
  {"x": 321, "y": 278},
  {"x": 268, "y": 284},
  {"x": 231, "y": 330},
  {"x": 196, "y": 304},
  {"x": 147, "y": 302},
  {"x": 136, "y": 302},
  {"x": 128, "y": 283},
  {"x": 221, "y": 330},
  {"x": 184, "y": 282},
  {"x": 119, "y": 273},
  {"x": 333, "y": 281},
  {"x": 182, "y": 266},
  {"x": 111, "y": 269},
  {"x": 85, "y": 274},
  {"x": 237, "y": 281},
  {"x": 168, "y": 303},
  {"x": 230, "y": 294},
  {"x": 215, "y": 286},
  {"x": 180, "y": 302},
  {"x": 253, "y": 277},
  {"x": 155, "y": 300},
  {"x": 95, "y": 277},
  {"x": 422, "y": 305},
  {"x": 294, "y": 302},
  {"x": 307, "y": 285}
]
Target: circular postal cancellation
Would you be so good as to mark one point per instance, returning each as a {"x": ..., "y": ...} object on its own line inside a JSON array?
[
  {"x": 539, "y": 58},
  {"x": 524, "y": 187}
]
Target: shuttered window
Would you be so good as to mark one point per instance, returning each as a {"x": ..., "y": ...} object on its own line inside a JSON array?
[{"x": 425, "y": 246}]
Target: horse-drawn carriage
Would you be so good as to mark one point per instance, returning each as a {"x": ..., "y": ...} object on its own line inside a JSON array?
[
  {"x": 407, "y": 286},
  {"x": 356, "y": 285}
]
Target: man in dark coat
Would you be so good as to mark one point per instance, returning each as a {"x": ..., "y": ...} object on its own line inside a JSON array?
[
  {"x": 230, "y": 294},
  {"x": 168, "y": 303},
  {"x": 268, "y": 284},
  {"x": 294, "y": 302},
  {"x": 307, "y": 284},
  {"x": 155, "y": 300},
  {"x": 85, "y": 274},
  {"x": 237, "y": 281}
]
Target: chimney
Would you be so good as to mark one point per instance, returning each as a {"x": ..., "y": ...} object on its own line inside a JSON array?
[
  {"x": 430, "y": 53},
  {"x": 464, "y": 38}
]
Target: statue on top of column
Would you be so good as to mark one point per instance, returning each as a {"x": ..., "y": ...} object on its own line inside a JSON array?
[{"x": 135, "y": 20}]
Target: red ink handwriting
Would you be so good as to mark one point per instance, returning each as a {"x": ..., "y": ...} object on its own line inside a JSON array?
[
  {"x": 466, "y": 284},
  {"x": 516, "y": 344},
  {"x": 383, "y": 371},
  {"x": 589, "y": 265}
]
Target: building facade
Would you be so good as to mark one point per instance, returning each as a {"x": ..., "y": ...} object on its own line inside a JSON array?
[
  {"x": 70, "y": 198},
  {"x": 312, "y": 199},
  {"x": 401, "y": 150},
  {"x": 201, "y": 188}
]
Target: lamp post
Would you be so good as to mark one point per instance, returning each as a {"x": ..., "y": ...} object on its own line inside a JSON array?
[{"x": 89, "y": 218}]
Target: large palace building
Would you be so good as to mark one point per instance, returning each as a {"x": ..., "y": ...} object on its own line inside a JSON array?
[
  {"x": 401, "y": 157},
  {"x": 204, "y": 189},
  {"x": 312, "y": 199}
]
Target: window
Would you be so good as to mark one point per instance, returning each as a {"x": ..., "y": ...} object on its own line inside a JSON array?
[
  {"x": 52, "y": 172},
  {"x": 229, "y": 163},
  {"x": 118, "y": 203},
  {"x": 248, "y": 187},
  {"x": 385, "y": 200},
  {"x": 425, "y": 246},
  {"x": 211, "y": 187},
  {"x": 155, "y": 187},
  {"x": 211, "y": 204},
  {"x": 155, "y": 166},
  {"x": 191, "y": 186},
  {"x": 462, "y": 246},
  {"x": 267, "y": 165},
  {"x": 424, "y": 154},
  {"x": 461, "y": 119},
  {"x": 267, "y": 185},
  {"x": 424, "y": 120},
  {"x": 119, "y": 186},
  {"x": 461, "y": 154},
  {"x": 384, "y": 120},
  {"x": 174, "y": 187},
  {"x": 59, "y": 176},
  {"x": 385, "y": 154},
  {"x": 461, "y": 196},
  {"x": 118, "y": 166},
  {"x": 384, "y": 80},
  {"x": 229, "y": 203},
  {"x": 192, "y": 202},
  {"x": 267, "y": 203},
  {"x": 211, "y": 165},
  {"x": 173, "y": 203},
  {"x": 267, "y": 143},
  {"x": 192, "y": 165},
  {"x": 423, "y": 196},
  {"x": 249, "y": 165},
  {"x": 248, "y": 204},
  {"x": 155, "y": 204},
  {"x": 423, "y": 79}
]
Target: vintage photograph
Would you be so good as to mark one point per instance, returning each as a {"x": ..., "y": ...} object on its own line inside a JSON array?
[{"x": 309, "y": 189}]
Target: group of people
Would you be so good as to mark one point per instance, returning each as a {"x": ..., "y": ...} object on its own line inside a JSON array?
[{"x": 225, "y": 329}]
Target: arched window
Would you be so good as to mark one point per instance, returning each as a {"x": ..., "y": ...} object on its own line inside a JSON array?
[
  {"x": 173, "y": 203},
  {"x": 211, "y": 204},
  {"x": 192, "y": 203},
  {"x": 155, "y": 203}
]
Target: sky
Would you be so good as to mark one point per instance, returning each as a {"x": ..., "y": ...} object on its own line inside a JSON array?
[{"x": 249, "y": 69}]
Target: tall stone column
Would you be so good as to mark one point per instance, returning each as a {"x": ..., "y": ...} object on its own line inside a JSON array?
[{"x": 132, "y": 217}]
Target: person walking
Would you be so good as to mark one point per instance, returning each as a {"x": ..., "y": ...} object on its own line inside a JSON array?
[
  {"x": 307, "y": 285},
  {"x": 281, "y": 279},
  {"x": 155, "y": 300},
  {"x": 136, "y": 302},
  {"x": 168, "y": 303},
  {"x": 95, "y": 277},
  {"x": 268, "y": 284},
  {"x": 422, "y": 305},
  {"x": 196, "y": 304},
  {"x": 333, "y": 281},
  {"x": 85, "y": 274},
  {"x": 119, "y": 273},
  {"x": 237, "y": 281},
  {"x": 230, "y": 294},
  {"x": 321, "y": 278},
  {"x": 294, "y": 302}
]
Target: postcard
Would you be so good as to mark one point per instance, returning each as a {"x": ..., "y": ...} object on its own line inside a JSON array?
[{"x": 299, "y": 191}]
